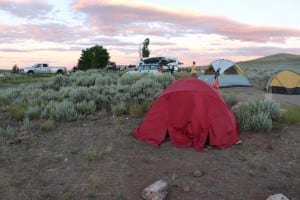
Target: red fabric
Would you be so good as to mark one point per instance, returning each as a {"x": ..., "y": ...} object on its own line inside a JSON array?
[{"x": 191, "y": 112}]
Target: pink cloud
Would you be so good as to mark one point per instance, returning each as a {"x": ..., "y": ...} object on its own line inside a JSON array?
[
  {"x": 115, "y": 18},
  {"x": 45, "y": 32}
]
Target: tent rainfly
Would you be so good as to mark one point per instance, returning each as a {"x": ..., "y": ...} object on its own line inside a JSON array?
[
  {"x": 284, "y": 82},
  {"x": 231, "y": 74},
  {"x": 192, "y": 113}
]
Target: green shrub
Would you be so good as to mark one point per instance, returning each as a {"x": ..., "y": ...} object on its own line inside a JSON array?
[
  {"x": 33, "y": 112},
  {"x": 258, "y": 115},
  {"x": 109, "y": 91},
  {"x": 85, "y": 108},
  {"x": 144, "y": 89},
  {"x": 85, "y": 81},
  {"x": 50, "y": 95},
  {"x": 182, "y": 74},
  {"x": 6, "y": 132},
  {"x": 131, "y": 78},
  {"x": 104, "y": 80},
  {"x": 47, "y": 126},
  {"x": 119, "y": 109},
  {"x": 17, "y": 111},
  {"x": 138, "y": 109},
  {"x": 60, "y": 111},
  {"x": 230, "y": 100},
  {"x": 26, "y": 123},
  {"x": 270, "y": 107},
  {"x": 164, "y": 79},
  {"x": 64, "y": 92},
  {"x": 58, "y": 81},
  {"x": 291, "y": 115},
  {"x": 9, "y": 95},
  {"x": 98, "y": 153},
  {"x": 260, "y": 122},
  {"x": 79, "y": 94}
]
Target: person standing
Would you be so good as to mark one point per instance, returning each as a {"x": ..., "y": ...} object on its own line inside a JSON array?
[
  {"x": 216, "y": 84},
  {"x": 172, "y": 69},
  {"x": 160, "y": 67},
  {"x": 194, "y": 70}
]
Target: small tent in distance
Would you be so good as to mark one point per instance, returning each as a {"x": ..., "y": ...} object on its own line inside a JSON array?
[
  {"x": 284, "y": 82},
  {"x": 192, "y": 113},
  {"x": 231, "y": 75}
]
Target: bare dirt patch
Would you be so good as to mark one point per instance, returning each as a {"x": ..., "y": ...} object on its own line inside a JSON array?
[{"x": 99, "y": 159}]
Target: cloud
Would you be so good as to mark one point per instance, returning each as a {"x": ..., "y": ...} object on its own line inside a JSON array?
[
  {"x": 117, "y": 18},
  {"x": 19, "y": 50},
  {"x": 43, "y": 32},
  {"x": 26, "y": 9}
]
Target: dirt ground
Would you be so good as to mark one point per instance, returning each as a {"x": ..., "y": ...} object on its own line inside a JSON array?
[{"x": 99, "y": 159}]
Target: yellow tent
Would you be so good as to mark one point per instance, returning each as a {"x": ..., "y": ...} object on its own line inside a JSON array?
[{"x": 284, "y": 82}]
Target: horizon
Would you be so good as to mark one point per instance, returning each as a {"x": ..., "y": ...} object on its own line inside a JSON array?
[{"x": 56, "y": 32}]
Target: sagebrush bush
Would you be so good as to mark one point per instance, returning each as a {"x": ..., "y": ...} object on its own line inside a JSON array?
[
  {"x": 65, "y": 111},
  {"x": 258, "y": 115},
  {"x": 129, "y": 78},
  {"x": 119, "y": 109},
  {"x": 104, "y": 80},
  {"x": 85, "y": 81},
  {"x": 67, "y": 98},
  {"x": 57, "y": 82},
  {"x": 261, "y": 121},
  {"x": 138, "y": 109},
  {"x": 267, "y": 106},
  {"x": 60, "y": 111},
  {"x": 182, "y": 74},
  {"x": 122, "y": 88},
  {"x": 144, "y": 89},
  {"x": 79, "y": 94},
  {"x": 50, "y": 95},
  {"x": 33, "y": 112},
  {"x": 32, "y": 95},
  {"x": 102, "y": 102},
  {"x": 164, "y": 79},
  {"x": 109, "y": 91},
  {"x": 85, "y": 107},
  {"x": 8, "y": 95},
  {"x": 64, "y": 92}
]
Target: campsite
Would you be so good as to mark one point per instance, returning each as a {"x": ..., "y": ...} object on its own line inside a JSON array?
[{"x": 96, "y": 156}]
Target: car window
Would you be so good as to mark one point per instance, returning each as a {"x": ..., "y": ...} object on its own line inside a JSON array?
[
  {"x": 140, "y": 68},
  {"x": 154, "y": 67},
  {"x": 147, "y": 67}
]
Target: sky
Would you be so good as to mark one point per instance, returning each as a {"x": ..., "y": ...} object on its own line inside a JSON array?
[{"x": 56, "y": 31}]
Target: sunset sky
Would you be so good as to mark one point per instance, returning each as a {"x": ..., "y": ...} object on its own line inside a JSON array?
[{"x": 55, "y": 31}]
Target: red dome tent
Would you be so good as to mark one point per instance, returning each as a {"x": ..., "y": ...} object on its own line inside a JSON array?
[{"x": 192, "y": 113}]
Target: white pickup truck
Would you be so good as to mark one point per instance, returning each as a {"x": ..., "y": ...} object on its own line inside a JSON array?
[{"x": 43, "y": 68}]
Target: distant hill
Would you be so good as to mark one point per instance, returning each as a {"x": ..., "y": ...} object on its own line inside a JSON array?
[{"x": 282, "y": 60}]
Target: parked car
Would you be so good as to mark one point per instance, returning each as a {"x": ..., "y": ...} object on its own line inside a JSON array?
[
  {"x": 111, "y": 66},
  {"x": 146, "y": 68},
  {"x": 168, "y": 62},
  {"x": 44, "y": 68}
]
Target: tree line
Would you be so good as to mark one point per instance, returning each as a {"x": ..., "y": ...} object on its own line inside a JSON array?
[{"x": 98, "y": 57}]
